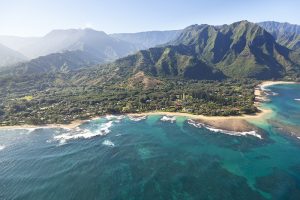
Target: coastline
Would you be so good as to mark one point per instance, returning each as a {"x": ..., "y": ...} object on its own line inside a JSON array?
[
  {"x": 240, "y": 123},
  {"x": 229, "y": 123},
  {"x": 269, "y": 83}
]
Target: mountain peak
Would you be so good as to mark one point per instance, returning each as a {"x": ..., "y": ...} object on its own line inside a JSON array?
[
  {"x": 243, "y": 22},
  {"x": 196, "y": 33},
  {"x": 59, "y": 40}
]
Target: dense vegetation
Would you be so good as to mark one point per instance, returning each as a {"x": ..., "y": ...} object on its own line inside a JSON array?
[
  {"x": 209, "y": 70},
  {"x": 41, "y": 104}
]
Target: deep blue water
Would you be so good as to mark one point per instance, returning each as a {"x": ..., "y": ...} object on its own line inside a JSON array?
[{"x": 118, "y": 158}]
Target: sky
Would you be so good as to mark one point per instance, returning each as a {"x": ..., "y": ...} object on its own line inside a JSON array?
[{"x": 38, "y": 17}]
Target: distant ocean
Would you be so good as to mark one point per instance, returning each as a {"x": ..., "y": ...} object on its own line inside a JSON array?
[{"x": 156, "y": 157}]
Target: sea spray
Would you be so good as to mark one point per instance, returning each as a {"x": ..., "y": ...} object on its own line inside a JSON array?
[
  {"x": 168, "y": 119},
  {"x": 83, "y": 133}
]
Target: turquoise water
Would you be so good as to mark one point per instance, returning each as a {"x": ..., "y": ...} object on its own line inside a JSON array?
[{"x": 121, "y": 158}]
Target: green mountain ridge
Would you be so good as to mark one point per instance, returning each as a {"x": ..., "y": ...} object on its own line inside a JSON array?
[
  {"x": 240, "y": 50},
  {"x": 203, "y": 52},
  {"x": 56, "y": 62},
  {"x": 65, "y": 50},
  {"x": 285, "y": 34}
]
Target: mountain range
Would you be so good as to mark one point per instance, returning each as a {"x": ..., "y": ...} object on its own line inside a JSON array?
[
  {"x": 56, "y": 49},
  {"x": 59, "y": 41},
  {"x": 71, "y": 48},
  {"x": 239, "y": 50}
]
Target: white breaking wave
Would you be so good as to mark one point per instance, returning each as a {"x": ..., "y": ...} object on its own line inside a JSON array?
[
  {"x": 105, "y": 127},
  {"x": 78, "y": 133},
  {"x": 253, "y": 133},
  {"x": 264, "y": 88},
  {"x": 108, "y": 143},
  {"x": 297, "y": 99},
  {"x": 234, "y": 133},
  {"x": 268, "y": 92},
  {"x": 170, "y": 119},
  {"x": 114, "y": 117},
  {"x": 2, "y": 147},
  {"x": 196, "y": 124},
  {"x": 136, "y": 119}
]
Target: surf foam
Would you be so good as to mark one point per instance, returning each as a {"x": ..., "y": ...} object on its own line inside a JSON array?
[
  {"x": 136, "y": 119},
  {"x": 195, "y": 124},
  {"x": 108, "y": 143},
  {"x": 216, "y": 130},
  {"x": 170, "y": 119},
  {"x": 253, "y": 133},
  {"x": 114, "y": 117},
  {"x": 78, "y": 133}
]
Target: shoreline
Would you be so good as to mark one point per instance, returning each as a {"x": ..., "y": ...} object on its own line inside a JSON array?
[
  {"x": 230, "y": 123},
  {"x": 240, "y": 123},
  {"x": 227, "y": 123},
  {"x": 269, "y": 83}
]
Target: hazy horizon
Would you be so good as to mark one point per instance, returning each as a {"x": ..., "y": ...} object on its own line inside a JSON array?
[
  {"x": 79, "y": 28},
  {"x": 35, "y": 18}
]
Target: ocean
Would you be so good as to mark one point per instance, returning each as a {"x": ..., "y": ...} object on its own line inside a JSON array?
[{"x": 157, "y": 157}]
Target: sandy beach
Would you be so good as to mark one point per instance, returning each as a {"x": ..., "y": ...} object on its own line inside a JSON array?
[
  {"x": 269, "y": 83},
  {"x": 230, "y": 123}
]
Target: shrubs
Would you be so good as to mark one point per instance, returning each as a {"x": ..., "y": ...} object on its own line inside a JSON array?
[{"x": 63, "y": 105}]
